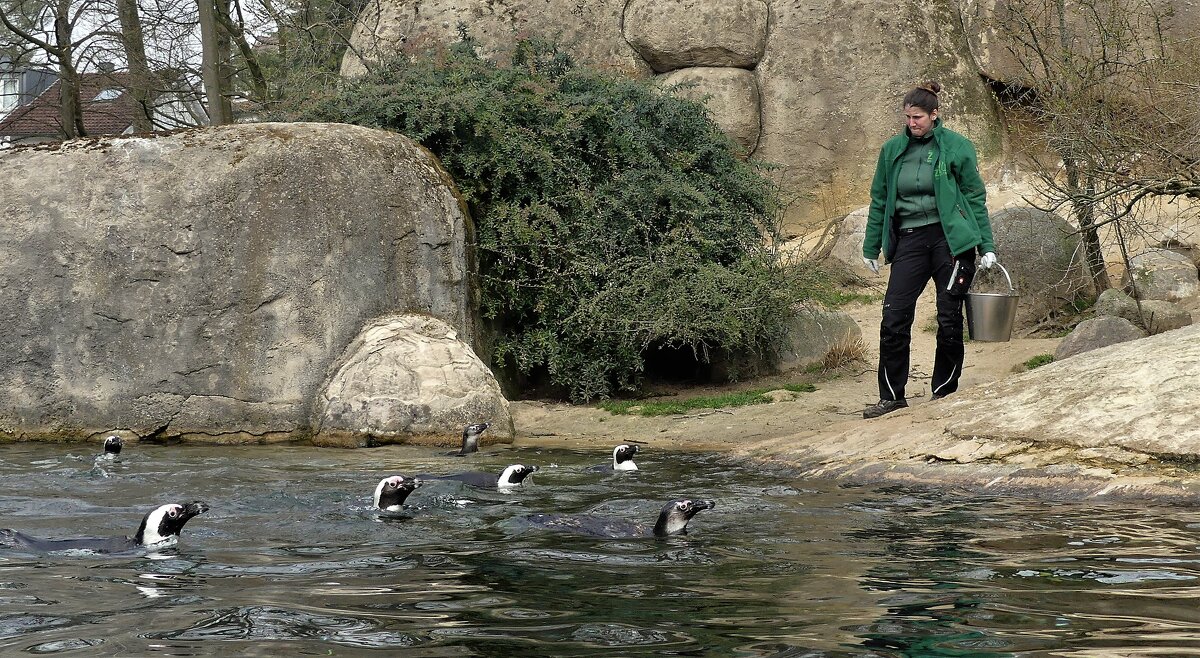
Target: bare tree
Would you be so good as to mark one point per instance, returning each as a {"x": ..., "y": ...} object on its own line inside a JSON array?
[
  {"x": 62, "y": 31},
  {"x": 1116, "y": 99}
]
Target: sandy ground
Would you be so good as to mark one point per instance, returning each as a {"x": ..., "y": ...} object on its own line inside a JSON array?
[{"x": 838, "y": 399}]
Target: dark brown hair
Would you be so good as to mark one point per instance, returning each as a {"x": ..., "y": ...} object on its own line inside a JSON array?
[{"x": 925, "y": 96}]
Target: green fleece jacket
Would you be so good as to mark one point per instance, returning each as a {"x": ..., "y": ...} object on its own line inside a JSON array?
[{"x": 957, "y": 188}]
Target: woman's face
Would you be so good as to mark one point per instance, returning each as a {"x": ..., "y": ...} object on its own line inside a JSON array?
[{"x": 919, "y": 121}]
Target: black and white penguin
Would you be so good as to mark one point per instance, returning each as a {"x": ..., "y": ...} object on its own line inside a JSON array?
[
  {"x": 112, "y": 446},
  {"x": 672, "y": 520},
  {"x": 470, "y": 439},
  {"x": 160, "y": 528},
  {"x": 391, "y": 492},
  {"x": 622, "y": 460},
  {"x": 510, "y": 477}
]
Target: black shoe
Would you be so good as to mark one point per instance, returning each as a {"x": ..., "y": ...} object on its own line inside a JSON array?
[
  {"x": 937, "y": 396},
  {"x": 884, "y": 407}
]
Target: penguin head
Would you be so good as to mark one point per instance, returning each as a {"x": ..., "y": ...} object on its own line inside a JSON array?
[
  {"x": 391, "y": 492},
  {"x": 113, "y": 445},
  {"x": 470, "y": 439},
  {"x": 623, "y": 457},
  {"x": 515, "y": 474},
  {"x": 165, "y": 523},
  {"x": 674, "y": 517}
]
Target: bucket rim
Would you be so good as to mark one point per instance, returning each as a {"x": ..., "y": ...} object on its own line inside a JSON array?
[{"x": 1012, "y": 290}]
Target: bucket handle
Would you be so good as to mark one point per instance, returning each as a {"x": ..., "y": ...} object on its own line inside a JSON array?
[{"x": 1011, "y": 289}]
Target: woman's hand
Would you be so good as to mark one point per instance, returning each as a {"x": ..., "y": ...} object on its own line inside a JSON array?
[
  {"x": 987, "y": 261},
  {"x": 874, "y": 264}
]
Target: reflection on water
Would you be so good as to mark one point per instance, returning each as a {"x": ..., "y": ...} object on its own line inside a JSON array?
[{"x": 292, "y": 560}]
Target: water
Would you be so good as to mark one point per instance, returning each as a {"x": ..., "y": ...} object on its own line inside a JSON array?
[{"x": 292, "y": 561}]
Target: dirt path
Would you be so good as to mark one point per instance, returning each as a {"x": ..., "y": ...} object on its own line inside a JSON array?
[{"x": 840, "y": 399}]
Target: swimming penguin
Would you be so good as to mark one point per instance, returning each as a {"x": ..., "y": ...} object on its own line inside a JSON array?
[
  {"x": 672, "y": 520},
  {"x": 622, "y": 460},
  {"x": 160, "y": 528},
  {"x": 470, "y": 439},
  {"x": 510, "y": 477},
  {"x": 112, "y": 446},
  {"x": 392, "y": 491}
]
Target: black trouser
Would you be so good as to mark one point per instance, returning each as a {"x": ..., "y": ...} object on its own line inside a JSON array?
[{"x": 921, "y": 254}]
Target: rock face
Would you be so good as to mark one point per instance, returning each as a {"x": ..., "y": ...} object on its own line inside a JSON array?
[
  {"x": 590, "y": 31},
  {"x": 200, "y": 285},
  {"x": 731, "y": 96},
  {"x": 409, "y": 375},
  {"x": 830, "y": 75},
  {"x": 682, "y": 33}
]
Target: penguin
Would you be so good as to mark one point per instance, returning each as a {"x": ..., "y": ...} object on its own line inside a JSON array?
[
  {"x": 672, "y": 520},
  {"x": 622, "y": 460},
  {"x": 160, "y": 528},
  {"x": 391, "y": 492},
  {"x": 510, "y": 477},
  {"x": 112, "y": 446},
  {"x": 470, "y": 439}
]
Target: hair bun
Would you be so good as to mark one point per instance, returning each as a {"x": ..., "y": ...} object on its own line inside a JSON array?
[{"x": 932, "y": 86}]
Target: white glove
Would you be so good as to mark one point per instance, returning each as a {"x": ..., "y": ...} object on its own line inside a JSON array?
[
  {"x": 987, "y": 261},
  {"x": 874, "y": 264}
]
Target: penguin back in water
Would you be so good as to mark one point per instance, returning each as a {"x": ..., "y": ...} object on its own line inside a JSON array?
[
  {"x": 672, "y": 520},
  {"x": 160, "y": 527}
]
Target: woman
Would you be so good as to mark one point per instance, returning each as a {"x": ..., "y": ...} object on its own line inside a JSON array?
[{"x": 929, "y": 216}]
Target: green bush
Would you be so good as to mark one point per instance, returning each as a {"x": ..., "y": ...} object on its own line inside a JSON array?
[
  {"x": 1039, "y": 361},
  {"x": 611, "y": 218}
]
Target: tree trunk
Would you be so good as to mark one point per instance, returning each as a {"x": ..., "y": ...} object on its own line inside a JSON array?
[
  {"x": 143, "y": 87},
  {"x": 212, "y": 64},
  {"x": 1085, "y": 218},
  {"x": 70, "y": 109}
]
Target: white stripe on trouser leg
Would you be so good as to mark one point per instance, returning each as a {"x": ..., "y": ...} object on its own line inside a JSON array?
[
  {"x": 939, "y": 386},
  {"x": 888, "y": 380}
]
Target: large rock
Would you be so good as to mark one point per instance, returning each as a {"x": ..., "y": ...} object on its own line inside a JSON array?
[
  {"x": 1096, "y": 333},
  {"x": 1043, "y": 256},
  {"x": 591, "y": 31},
  {"x": 731, "y": 96},
  {"x": 815, "y": 333},
  {"x": 1096, "y": 421},
  {"x": 1153, "y": 315},
  {"x": 676, "y": 34},
  {"x": 409, "y": 376},
  {"x": 200, "y": 285},
  {"x": 1162, "y": 274}
]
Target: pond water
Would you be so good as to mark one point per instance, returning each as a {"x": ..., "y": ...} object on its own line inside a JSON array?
[{"x": 291, "y": 560}]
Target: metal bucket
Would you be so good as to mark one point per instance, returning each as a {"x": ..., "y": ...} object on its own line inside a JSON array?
[{"x": 990, "y": 315}]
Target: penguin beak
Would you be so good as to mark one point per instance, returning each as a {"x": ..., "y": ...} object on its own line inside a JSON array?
[
  {"x": 194, "y": 508},
  {"x": 703, "y": 504}
]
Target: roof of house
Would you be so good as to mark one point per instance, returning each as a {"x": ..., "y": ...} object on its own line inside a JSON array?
[{"x": 107, "y": 109}]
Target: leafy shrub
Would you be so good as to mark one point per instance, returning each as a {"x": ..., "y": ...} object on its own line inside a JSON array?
[
  {"x": 1038, "y": 361},
  {"x": 611, "y": 217}
]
